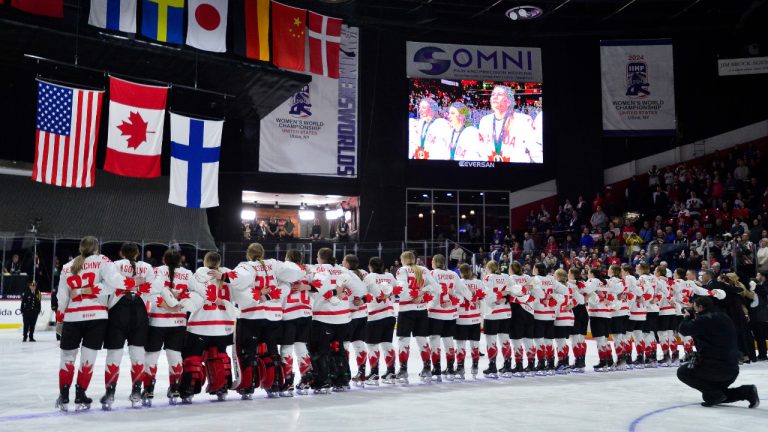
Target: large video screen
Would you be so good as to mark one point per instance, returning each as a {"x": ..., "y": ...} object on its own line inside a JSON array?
[{"x": 469, "y": 120}]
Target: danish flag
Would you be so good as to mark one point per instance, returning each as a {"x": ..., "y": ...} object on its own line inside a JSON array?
[{"x": 324, "y": 39}]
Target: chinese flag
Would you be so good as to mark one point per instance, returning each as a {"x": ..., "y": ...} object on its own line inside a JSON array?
[
  {"x": 51, "y": 8},
  {"x": 288, "y": 30}
]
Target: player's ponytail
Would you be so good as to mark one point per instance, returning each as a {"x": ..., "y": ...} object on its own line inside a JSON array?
[
  {"x": 353, "y": 264},
  {"x": 626, "y": 267},
  {"x": 294, "y": 256},
  {"x": 172, "y": 258},
  {"x": 561, "y": 275},
  {"x": 492, "y": 267},
  {"x": 130, "y": 251},
  {"x": 255, "y": 252},
  {"x": 408, "y": 258},
  {"x": 325, "y": 256},
  {"x": 576, "y": 273},
  {"x": 515, "y": 268},
  {"x": 597, "y": 274},
  {"x": 89, "y": 245},
  {"x": 614, "y": 270},
  {"x": 212, "y": 260},
  {"x": 438, "y": 262}
]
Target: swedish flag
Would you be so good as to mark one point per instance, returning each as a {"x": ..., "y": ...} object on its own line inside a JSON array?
[{"x": 163, "y": 20}]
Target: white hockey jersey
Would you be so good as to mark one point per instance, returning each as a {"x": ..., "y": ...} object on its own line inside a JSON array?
[
  {"x": 621, "y": 303},
  {"x": 549, "y": 293},
  {"x": 211, "y": 319},
  {"x": 259, "y": 289},
  {"x": 601, "y": 298},
  {"x": 451, "y": 290},
  {"x": 497, "y": 288},
  {"x": 564, "y": 313},
  {"x": 526, "y": 299},
  {"x": 143, "y": 270},
  {"x": 469, "y": 308},
  {"x": 380, "y": 297},
  {"x": 360, "y": 311},
  {"x": 298, "y": 302},
  {"x": 327, "y": 306},
  {"x": 184, "y": 291},
  {"x": 407, "y": 288},
  {"x": 636, "y": 297},
  {"x": 667, "y": 302},
  {"x": 101, "y": 277}
]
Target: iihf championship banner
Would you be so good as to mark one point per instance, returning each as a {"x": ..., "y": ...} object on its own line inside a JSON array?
[
  {"x": 485, "y": 63},
  {"x": 315, "y": 131},
  {"x": 638, "y": 87}
]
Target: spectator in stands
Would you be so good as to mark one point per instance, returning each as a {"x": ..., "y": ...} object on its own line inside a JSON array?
[
  {"x": 756, "y": 232},
  {"x": 456, "y": 256},
  {"x": 288, "y": 228},
  {"x": 597, "y": 202},
  {"x": 646, "y": 232},
  {"x": 317, "y": 230},
  {"x": 741, "y": 173},
  {"x": 587, "y": 241},
  {"x": 262, "y": 232},
  {"x": 528, "y": 244},
  {"x": 599, "y": 219},
  {"x": 694, "y": 205},
  {"x": 653, "y": 176},
  {"x": 149, "y": 259},
  {"x": 13, "y": 265},
  {"x": 762, "y": 256},
  {"x": 551, "y": 246}
]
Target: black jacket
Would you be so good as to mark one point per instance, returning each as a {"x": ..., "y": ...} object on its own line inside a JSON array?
[
  {"x": 760, "y": 313},
  {"x": 30, "y": 301},
  {"x": 714, "y": 335}
]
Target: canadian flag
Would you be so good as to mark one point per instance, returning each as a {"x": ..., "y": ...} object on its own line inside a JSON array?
[
  {"x": 207, "y": 25},
  {"x": 324, "y": 39},
  {"x": 135, "y": 133}
]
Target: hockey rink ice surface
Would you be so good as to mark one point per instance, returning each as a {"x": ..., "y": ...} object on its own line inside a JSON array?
[{"x": 646, "y": 400}]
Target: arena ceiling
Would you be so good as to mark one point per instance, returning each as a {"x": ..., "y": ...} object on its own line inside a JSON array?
[{"x": 560, "y": 17}]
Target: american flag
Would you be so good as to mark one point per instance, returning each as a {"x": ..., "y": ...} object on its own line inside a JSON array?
[{"x": 67, "y": 129}]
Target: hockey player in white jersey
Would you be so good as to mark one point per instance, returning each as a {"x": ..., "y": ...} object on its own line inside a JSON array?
[
  {"x": 168, "y": 323},
  {"x": 209, "y": 332},
  {"x": 497, "y": 320},
  {"x": 256, "y": 286},
  {"x": 416, "y": 288},
  {"x": 297, "y": 320},
  {"x": 549, "y": 293},
  {"x": 332, "y": 303},
  {"x": 443, "y": 313},
  {"x": 381, "y": 321},
  {"x": 128, "y": 321},
  {"x": 85, "y": 285},
  {"x": 468, "y": 322},
  {"x": 355, "y": 340}
]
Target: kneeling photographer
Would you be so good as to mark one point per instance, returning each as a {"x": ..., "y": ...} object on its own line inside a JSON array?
[{"x": 715, "y": 365}]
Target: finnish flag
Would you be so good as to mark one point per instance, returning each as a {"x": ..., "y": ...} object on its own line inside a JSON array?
[
  {"x": 195, "y": 146},
  {"x": 118, "y": 15}
]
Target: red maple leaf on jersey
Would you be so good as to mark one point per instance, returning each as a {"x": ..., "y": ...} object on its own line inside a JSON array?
[
  {"x": 397, "y": 290},
  {"x": 135, "y": 128},
  {"x": 382, "y": 297},
  {"x": 274, "y": 293},
  {"x": 368, "y": 298},
  {"x": 256, "y": 293},
  {"x": 428, "y": 297},
  {"x": 480, "y": 294},
  {"x": 414, "y": 292}
]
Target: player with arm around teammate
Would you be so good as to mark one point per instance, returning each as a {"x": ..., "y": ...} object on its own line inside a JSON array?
[{"x": 84, "y": 288}]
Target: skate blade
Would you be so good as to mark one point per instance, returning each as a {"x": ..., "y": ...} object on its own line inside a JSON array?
[
  {"x": 147, "y": 403},
  {"x": 221, "y": 397},
  {"x": 173, "y": 401},
  {"x": 372, "y": 383},
  {"x": 106, "y": 407},
  {"x": 63, "y": 407},
  {"x": 82, "y": 407},
  {"x": 286, "y": 394},
  {"x": 491, "y": 376}
]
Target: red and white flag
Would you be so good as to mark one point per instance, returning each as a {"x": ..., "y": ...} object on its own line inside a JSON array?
[
  {"x": 135, "y": 130},
  {"x": 207, "y": 25},
  {"x": 67, "y": 127},
  {"x": 324, "y": 38}
]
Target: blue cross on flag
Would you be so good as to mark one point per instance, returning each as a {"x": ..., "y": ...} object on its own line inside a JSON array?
[{"x": 195, "y": 146}]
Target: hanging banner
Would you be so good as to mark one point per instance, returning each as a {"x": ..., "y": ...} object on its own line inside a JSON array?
[
  {"x": 315, "y": 131},
  {"x": 638, "y": 87}
]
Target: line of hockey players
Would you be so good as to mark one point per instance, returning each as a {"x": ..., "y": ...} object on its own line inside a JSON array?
[{"x": 276, "y": 312}]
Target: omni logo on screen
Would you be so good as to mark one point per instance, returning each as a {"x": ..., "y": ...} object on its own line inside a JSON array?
[
  {"x": 301, "y": 103},
  {"x": 426, "y": 55}
]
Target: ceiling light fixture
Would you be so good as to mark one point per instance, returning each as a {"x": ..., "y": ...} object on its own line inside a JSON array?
[{"x": 520, "y": 13}]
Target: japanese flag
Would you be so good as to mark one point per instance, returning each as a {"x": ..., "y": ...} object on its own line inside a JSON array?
[{"x": 207, "y": 28}]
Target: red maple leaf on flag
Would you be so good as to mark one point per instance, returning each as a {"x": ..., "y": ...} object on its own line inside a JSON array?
[{"x": 135, "y": 128}]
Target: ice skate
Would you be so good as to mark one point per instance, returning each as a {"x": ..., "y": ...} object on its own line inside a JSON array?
[
  {"x": 221, "y": 395},
  {"x": 666, "y": 361},
  {"x": 174, "y": 396},
  {"x": 135, "y": 396},
  {"x": 519, "y": 370},
  {"x": 389, "y": 377},
  {"x": 639, "y": 362},
  {"x": 621, "y": 364},
  {"x": 506, "y": 369},
  {"x": 426, "y": 373},
  {"x": 109, "y": 398},
  {"x": 82, "y": 401},
  {"x": 459, "y": 373},
  {"x": 600, "y": 367},
  {"x": 372, "y": 379},
  {"x": 550, "y": 366},
  {"x": 62, "y": 402},
  {"x": 562, "y": 369},
  {"x": 437, "y": 373},
  {"x": 402, "y": 375},
  {"x": 359, "y": 379},
  {"x": 491, "y": 372},
  {"x": 675, "y": 362},
  {"x": 474, "y": 369},
  {"x": 541, "y": 368}
]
